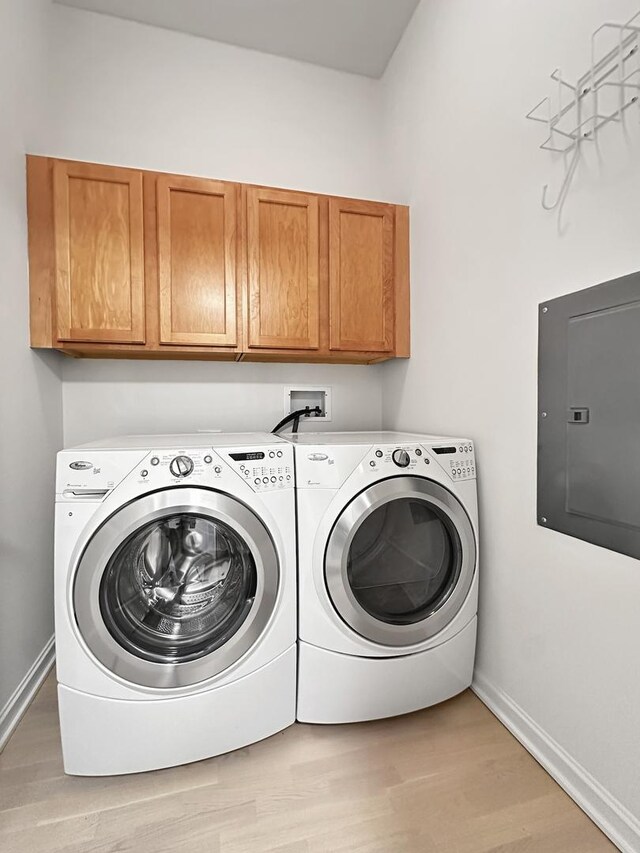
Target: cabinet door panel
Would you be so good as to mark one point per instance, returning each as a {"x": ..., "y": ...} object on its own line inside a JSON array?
[
  {"x": 99, "y": 248},
  {"x": 197, "y": 261},
  {"x": 282, "y": 247},
  {"x": 361, "y": 275}
]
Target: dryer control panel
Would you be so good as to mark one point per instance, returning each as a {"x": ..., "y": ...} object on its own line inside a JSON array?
[
  {"x": 396, "y": 459},
  {"x": 458, "y": 461}
]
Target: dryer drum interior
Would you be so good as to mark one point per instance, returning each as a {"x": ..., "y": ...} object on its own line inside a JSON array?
[
  {"x": 176, "y": 586},
  {"x": 404, "y": 561},
  {"x": 400, "y": 560}
]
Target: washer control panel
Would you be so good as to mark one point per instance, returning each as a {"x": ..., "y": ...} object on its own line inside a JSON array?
[
  {"x": 458, "y": 460},
  {"x": 264, "y": 469},
  {"x": 181, "y": 466}
]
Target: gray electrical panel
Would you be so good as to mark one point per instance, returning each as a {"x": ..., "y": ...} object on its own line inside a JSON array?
[{"x": 589, "y": 414}]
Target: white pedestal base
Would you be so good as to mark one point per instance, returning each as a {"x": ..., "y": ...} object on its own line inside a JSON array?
[
  {"x": 104, "y": 737},
  {"x": 337, "y": 688}
]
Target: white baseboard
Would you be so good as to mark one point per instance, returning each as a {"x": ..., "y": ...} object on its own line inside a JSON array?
[
  {"x": 23, "y": 695},
  {"x": 611, "y": 816}
]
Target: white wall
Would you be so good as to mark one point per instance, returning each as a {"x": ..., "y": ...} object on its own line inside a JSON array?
[
  {"x": 559, "y": 626},
  {"x": 133, "y": 95},
  {"x": 30, "y": 384},
  {"x": 103, "y": 399}
]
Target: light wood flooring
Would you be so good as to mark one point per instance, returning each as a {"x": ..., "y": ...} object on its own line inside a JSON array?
[{"x": 450, "y": 779}]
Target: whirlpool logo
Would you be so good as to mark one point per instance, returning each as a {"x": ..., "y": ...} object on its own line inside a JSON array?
[
  {"x": 320, "y": 457},
  {"x": 80, "y": 465}
]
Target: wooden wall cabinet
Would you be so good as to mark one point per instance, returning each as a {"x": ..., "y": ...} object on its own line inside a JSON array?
[
  {"x": 361, "y": 285},
  {"x": 126, "y": 263},
  {"x": 282, "y": 269},
  {"x": 99, "y": 253},
  {"x": 197, "y": 258}
]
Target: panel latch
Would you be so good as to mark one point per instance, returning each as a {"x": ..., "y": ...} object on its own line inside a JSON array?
[{"x": 578, "y": 416}]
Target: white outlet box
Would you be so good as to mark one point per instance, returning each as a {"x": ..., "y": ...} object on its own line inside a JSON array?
[{"x": 299, "y": 396}]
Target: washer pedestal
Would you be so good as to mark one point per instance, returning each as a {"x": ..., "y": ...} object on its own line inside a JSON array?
[{"x": 147, "y": 735}]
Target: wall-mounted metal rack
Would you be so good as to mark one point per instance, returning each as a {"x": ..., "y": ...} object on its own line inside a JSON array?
[{"x": 578, "y": 113}]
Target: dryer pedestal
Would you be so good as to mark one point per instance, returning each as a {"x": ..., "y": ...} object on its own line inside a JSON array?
[{"x": 338, "y": 688}]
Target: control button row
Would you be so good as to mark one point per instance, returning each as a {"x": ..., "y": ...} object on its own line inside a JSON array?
[
  {"x": 266, "y": 480},
  {"x": 463, "y": 472},
  {"x": 277, "y": 453}
]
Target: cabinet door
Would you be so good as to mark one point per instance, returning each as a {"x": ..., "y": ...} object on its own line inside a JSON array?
[
  {"x": 99, "y": 248},
  {"x": 361, "y": 235},
  {"x": 197, "y": 261},
  {"x": 283, "y": 259}
]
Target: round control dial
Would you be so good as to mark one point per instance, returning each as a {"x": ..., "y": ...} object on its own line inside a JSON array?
[
  {"x": 401, "y": 458},
  {"x": 181, "y": 466}
]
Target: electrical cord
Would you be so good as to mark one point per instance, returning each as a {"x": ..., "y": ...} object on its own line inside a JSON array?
[{"x": 295, "y": 417}]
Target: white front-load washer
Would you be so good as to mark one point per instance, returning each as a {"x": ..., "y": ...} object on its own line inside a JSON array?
[
  {"x": 387, "y": 572},
  {"x": 175, "y": 598}
]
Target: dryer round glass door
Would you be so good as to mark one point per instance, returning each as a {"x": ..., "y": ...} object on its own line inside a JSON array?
[
  {"x": 400, "y": 561},
  {"x": 175, "y": 587}
]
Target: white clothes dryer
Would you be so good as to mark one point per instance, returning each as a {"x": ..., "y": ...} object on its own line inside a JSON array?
[
  {"x": 387, "y": 572},
  {"x": 175, "y": 597}
]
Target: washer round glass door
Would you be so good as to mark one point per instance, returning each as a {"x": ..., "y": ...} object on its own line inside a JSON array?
[
  {"x": 175, "y": 587},
  {"x": 400, "y": 561}
]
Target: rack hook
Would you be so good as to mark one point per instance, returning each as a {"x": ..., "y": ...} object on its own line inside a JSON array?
[
  {"x": 565, "y": 183},
  {"x": 544, "y": 198}
]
